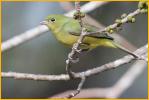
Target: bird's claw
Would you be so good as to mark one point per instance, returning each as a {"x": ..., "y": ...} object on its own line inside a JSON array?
[
  {"x": 73, "y": 60},
  {"x": 79, "y": 50}
]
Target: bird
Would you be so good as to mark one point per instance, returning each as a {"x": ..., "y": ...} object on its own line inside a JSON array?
[{"x": 67, "y": 31}]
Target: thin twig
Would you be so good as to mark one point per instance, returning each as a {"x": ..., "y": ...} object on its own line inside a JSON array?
[
  {"x": 73, "y": 94},
  {"x": 85, "y": 93},
  {"x": 114, "y": 91},
  {"x": 90, "y": 72},
  {"x": 115, "y": 25},
  {"x": 71, "y": 56}
]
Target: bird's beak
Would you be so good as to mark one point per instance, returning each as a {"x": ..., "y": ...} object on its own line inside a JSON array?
[{"x": 44, "y": 22}]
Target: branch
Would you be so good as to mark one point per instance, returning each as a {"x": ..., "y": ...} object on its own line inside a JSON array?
[
  {"x": 90, "y": 72},
  {"x": 114, "y": 91},
  {"x": 126, "y": 80},
  {"x": 23, "y": 37},
  {"x": 87, "y": 7},
  {"x": 126, "y": 19},
  {"x": 78, "y": 15},
  {"x": 41, "y": 29},
  {"x": 72, "y": 56},
  {"x": 85, "y": 93}
]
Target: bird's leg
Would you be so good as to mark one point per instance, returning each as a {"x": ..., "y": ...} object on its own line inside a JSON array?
[
  {"x": 128, "y": 51},
  {"x": 83, "y": 47},
  {"x": 73, "y": 59}
]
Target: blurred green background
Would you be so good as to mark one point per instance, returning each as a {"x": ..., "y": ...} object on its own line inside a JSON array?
[{"x": 45, "y": 55}]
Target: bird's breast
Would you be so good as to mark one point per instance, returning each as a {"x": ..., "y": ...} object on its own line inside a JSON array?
[{"x": 66, "y": 38}]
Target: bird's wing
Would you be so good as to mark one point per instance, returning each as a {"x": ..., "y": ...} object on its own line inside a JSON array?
[{"x": 77, "y": 31}]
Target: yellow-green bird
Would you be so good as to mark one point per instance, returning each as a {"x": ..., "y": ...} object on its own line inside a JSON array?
[{"x": 67, "y": 30}]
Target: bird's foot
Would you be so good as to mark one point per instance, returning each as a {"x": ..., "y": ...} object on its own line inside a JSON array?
[
  {"x": 78, "y": 51},
  {"x": 73, "y": 59}
]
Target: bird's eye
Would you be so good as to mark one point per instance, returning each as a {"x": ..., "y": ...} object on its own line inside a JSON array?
[{"x": 52, "y": 19}]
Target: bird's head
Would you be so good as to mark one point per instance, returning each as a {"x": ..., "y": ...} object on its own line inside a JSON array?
[{"x": 54, "y": 21}]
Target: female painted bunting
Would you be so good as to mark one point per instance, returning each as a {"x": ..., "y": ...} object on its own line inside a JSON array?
[{"x": 67, "y": 30}]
